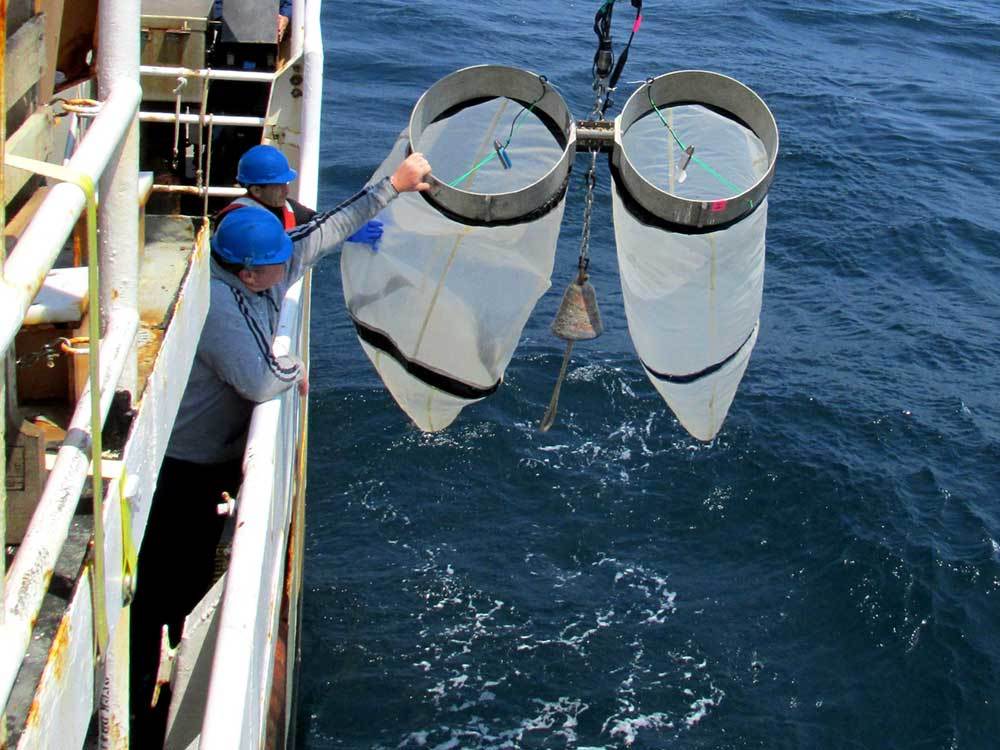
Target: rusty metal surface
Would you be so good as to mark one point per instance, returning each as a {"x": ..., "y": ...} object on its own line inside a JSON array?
[
  {"x": 49, "y": 632},
  {"x": 63, "y": 679}
]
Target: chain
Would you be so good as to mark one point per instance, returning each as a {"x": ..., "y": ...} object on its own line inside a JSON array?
[
  {"x": 601, "y": 87},
  {"x": 588, "y": 207}
]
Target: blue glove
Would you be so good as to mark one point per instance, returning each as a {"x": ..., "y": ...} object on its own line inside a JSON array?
[{"x": 369, "y": 234}]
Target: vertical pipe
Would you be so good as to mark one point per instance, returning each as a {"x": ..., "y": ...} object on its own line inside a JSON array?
[
  {"x": 114, "y": 724},
  {"x": 296, "y": 27},
  {"x": 118, "y": 63},
  {"x": 312, "y": 102},
  {"x": 3, "y": 355}
]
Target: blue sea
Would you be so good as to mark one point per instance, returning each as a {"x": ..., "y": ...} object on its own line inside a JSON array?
[{"x": 823, "y": 574}]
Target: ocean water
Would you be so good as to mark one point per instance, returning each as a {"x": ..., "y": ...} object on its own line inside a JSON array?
[{"x": 826, "y": 572}]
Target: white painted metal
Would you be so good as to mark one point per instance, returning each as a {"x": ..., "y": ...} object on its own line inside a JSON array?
[
  {"x": 61, "y": 298},
  {"x": 118, "y": 217},
  {"x": 242, "y": 669},
  {"x": 312, "y": 102},
  {"x": 33, "y": 256},
  {"x": 166, "y": 71},
  {"x": 186, "y": 119},
  {"x": 296, "y": 27},
  {"x": 64, "y": 700},
  {"x": 158, "y": 408},
  {"x": 219, "y": 192},
  {"x": 36, "y": 557},
  {"x": 70, "y": 671},
  {"x": 192, "y": 670}
]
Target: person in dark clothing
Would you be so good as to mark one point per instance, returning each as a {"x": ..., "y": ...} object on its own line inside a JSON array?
[
  {"x": 284, "y": 15},
  {"x": 258, "y": 252}
]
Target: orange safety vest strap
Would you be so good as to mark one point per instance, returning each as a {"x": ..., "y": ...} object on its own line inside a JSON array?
[{"x": 288, "y": 215}]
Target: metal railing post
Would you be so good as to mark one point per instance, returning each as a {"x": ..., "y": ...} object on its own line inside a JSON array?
[
  {"x": 297, "y": 26},
  {"x": 118, "y": 63},
  {"x": 121, "y": 247}
]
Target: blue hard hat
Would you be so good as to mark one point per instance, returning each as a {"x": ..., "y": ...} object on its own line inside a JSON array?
[
  {"x": 252, "y": 236},
  {"x": 264, "y": 165}
]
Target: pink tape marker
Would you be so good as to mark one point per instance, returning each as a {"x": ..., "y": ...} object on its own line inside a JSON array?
[
  {"x": 717, "y": 206},
  {"x": 637, "y": 24}
]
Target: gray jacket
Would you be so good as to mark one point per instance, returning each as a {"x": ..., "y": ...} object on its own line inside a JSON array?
[{"x": 234, "y": 369}]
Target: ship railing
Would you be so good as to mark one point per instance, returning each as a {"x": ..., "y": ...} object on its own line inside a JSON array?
[
  {"x": 207, "y": 121},
  {"x": 106, "y": 157},
  {"x": 273, "y": 490}
]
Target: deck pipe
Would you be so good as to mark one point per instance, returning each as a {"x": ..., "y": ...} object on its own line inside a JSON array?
[{"x": 120, "y": 256}]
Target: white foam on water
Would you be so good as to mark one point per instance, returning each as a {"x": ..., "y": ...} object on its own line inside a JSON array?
[
  {"x": 589, "y": 373},
  {"x": 417, "y": 738},
  {"x": 559, "y": 717},
  {"x": 628, "y": 729}
]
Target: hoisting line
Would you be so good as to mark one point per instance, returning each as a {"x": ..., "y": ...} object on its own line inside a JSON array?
[
  {"x": 606, "y": 74},
  {"x": 605, "y": 70}
]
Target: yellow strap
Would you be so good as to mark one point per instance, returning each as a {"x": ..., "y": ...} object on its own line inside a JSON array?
[
  {"x": 86, "y": 184},
  {"x": 130, "y": 555}
]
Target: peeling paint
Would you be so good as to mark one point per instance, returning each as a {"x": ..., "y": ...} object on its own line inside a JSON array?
[
  {"x": 41, "y": 571},
  {"x": 59, "y": 652},
  {"x": 34, "y": 715},
  {"x": 149, "y": 349}
]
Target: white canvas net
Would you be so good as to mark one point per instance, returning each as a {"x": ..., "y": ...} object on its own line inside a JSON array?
[
  {"x": 441, "y": 305},
  {"x": 693, "y": 300}
]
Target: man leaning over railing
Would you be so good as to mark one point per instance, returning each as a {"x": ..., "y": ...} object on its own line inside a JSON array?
[{"x": 254, "y": 261}]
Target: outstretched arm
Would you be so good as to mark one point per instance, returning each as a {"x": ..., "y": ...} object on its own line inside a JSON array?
[{"x": 325, "y": 232}]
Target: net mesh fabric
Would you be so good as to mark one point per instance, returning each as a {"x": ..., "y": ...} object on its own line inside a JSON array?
[
  {"x": 451, "y": 297},
  {"x": 693, "y": 300}
]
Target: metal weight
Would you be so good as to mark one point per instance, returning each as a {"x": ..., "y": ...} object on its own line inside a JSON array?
[{"x": 578, "y": 317}]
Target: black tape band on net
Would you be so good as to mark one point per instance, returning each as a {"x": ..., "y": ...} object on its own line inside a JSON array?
[{"x": 425, "y": 374}]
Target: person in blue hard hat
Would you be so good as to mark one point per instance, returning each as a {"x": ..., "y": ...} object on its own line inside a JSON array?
[
  {"x": 254, "y": 260},
  {"x": 265, "y": 173}
]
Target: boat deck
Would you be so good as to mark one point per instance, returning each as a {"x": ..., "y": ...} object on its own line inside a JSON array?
[{"x": 169, "y": 243}]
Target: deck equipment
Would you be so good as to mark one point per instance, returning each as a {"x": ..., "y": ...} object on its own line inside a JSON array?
[{"x": 439, "y": 309}]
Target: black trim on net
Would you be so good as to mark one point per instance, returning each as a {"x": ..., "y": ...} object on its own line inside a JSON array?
[
  {"x": 643, "y": 216},
  {"x": 550, "y": 124},
  {"x": 711, "y": 107},
  {"x": 692, "y": 377},
  {"x": 538, "y": 213},
  {"x": 421, "y": 372}
]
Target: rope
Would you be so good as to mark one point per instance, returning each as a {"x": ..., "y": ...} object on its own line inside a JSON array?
[{"x": 695, "y": 159}]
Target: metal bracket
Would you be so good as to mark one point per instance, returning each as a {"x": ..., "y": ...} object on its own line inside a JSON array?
[
  {"x": 166, "y": 666},
  {"x": 595, "y": 135}
]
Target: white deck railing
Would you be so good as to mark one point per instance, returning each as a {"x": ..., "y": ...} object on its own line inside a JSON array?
[{"x": 274, "y": 472}]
